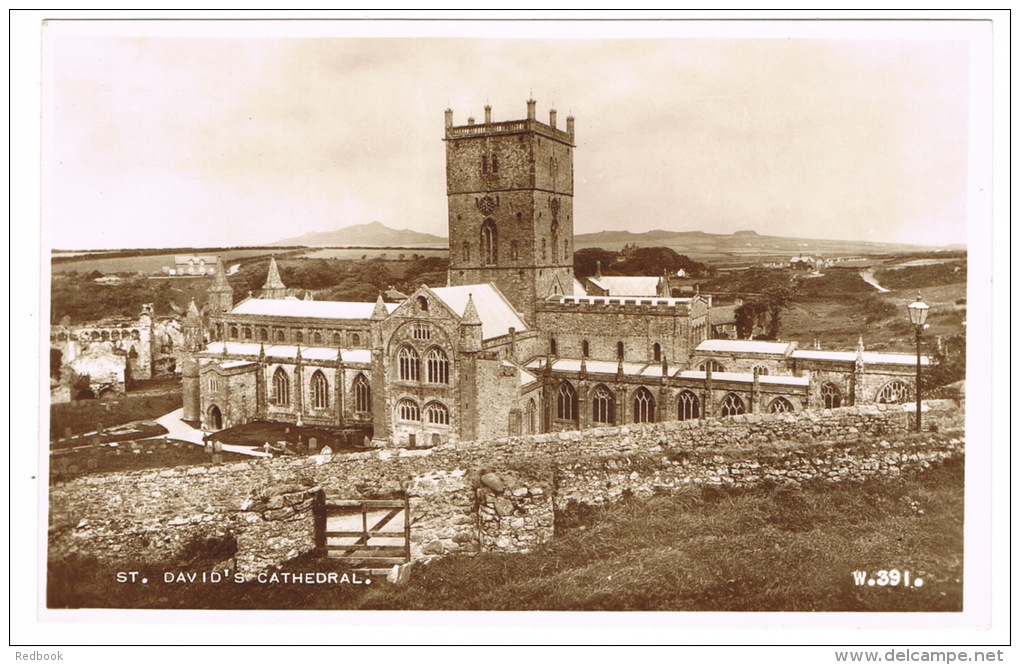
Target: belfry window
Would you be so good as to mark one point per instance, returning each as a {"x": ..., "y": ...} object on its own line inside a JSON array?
[{"x": 489, "y": 246}]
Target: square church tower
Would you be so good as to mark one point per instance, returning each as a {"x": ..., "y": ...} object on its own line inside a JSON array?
[{"x": 510, "y": 188}]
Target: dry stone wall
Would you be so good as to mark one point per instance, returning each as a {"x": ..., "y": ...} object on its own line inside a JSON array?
[{"x": 479, "y": 496}]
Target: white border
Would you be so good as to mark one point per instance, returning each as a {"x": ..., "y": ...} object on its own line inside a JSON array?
[{"x": 984, "y": 583}]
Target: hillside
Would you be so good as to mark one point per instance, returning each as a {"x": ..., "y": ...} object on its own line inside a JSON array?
[
  {"x": 740, "y": 246},
  {"x": 375, "y": 234}
]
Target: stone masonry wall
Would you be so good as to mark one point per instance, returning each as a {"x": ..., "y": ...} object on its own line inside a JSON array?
[{"x": 468, "y": 497}]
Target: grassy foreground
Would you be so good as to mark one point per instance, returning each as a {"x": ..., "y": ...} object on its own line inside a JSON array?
[{"x": 767, "y": 549}]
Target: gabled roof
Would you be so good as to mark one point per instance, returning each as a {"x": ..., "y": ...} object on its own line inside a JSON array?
[
  {"x": 185, "y": 259},
  {"x": 628, "y": 286},
  {"x": 579, "y": 288},
  {"x": 496, "y": 313},
  {"x": 744, "y": 346},
  {"x": 308, "y": 309},
  {"x": 721, "y": 315}
]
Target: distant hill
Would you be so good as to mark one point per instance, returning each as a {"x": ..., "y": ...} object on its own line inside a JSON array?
[
  {"x": 742, "y": 245},
  {"x": 375, "y": 234}
]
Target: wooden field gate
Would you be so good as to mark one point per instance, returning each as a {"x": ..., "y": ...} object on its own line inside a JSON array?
[{"x": 366, "y": 533}]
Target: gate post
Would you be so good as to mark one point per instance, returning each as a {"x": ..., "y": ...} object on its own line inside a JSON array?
[{"x": 319, "y": 515}]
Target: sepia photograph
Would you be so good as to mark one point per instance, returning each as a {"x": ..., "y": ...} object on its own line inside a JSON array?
[{"x": 591, "y": 320}]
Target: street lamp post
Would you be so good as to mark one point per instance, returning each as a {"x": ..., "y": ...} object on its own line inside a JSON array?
[{"x": 918, "y": 312}]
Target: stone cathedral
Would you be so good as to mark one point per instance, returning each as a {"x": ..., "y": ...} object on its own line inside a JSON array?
[{"x": 514, "y": 344}]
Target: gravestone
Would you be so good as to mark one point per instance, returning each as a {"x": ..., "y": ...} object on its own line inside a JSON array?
[
  {"x": 217, "y": 458},
  {"x": 67, "y": 432},
  {"x": 93, "y": 464},
  {"x": 313, "y": 444}
]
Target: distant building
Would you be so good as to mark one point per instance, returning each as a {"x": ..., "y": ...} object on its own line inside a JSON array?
[
  {"x": 193, "y": 265},
  {"x": 802, "y": 263}
]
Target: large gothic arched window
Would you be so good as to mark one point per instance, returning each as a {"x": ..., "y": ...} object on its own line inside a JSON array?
[
  {"x": 437, "y": 414},
  {"x": 831, "y": 396},
  {"x": 437, "y": 366},
  {"x": 407, "y": 411},
  {"x": 566, "y": 402},
  {"x": 602, "y": 405},
  {"x": 732, "y": 405},
  {"x": 644, "y": 406},
  {"x": 688, "y": 406},
  {"x": 281, "y": 387},
  {"x": 780, "y": 405},
  {"x": 894, "y": 392},
  {"x": 362, "y": 394},
  {"x": 489, "y": 244},
  {"x": 320, "y": 391},
  {"x": 408, "y": 364}
]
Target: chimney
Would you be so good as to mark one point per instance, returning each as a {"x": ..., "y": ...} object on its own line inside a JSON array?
[
  {"x": 570, "y": 126},
  {"x": 531, "y": 109},
  {"x": 488, "y": 114},
  {"x": 471, "y": 121},
  {"x": 552, "y": 118},
  {"x": 449, "y": 118}
]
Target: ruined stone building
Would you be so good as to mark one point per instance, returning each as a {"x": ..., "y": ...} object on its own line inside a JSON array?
[
  {"x": 514, "y": 344},
  {"x": 113, "y": 352}
]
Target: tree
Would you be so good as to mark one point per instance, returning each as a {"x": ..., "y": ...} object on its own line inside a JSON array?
[
  {"x": 775, "y": 299},
  {"x": 947, "y": 365},
  {"x": 763, "y": 311},
  {"x": 585, "y": 261},
  {"x": 748, "y": 316}
]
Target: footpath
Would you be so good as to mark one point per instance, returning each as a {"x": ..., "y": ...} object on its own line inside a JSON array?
[{"x": 179, "y": 430}]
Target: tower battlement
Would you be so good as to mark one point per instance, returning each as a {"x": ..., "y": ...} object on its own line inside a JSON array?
[{"x": 510, "y": 190}]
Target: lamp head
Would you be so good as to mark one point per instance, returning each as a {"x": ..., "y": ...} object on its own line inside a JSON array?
[{"x": 918, "y": 312}]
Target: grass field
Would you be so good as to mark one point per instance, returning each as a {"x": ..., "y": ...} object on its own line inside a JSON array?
[
  {"x": 85, "y": 415},
  {"x": 767, "y": 549},
  {"x": 352, "y": 253},
  {"x": 150, "y": 454},
  {"x": 147, "y": 262}
]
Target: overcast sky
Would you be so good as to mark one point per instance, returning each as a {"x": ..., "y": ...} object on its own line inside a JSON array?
[{"x": 242, "y": 136}]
